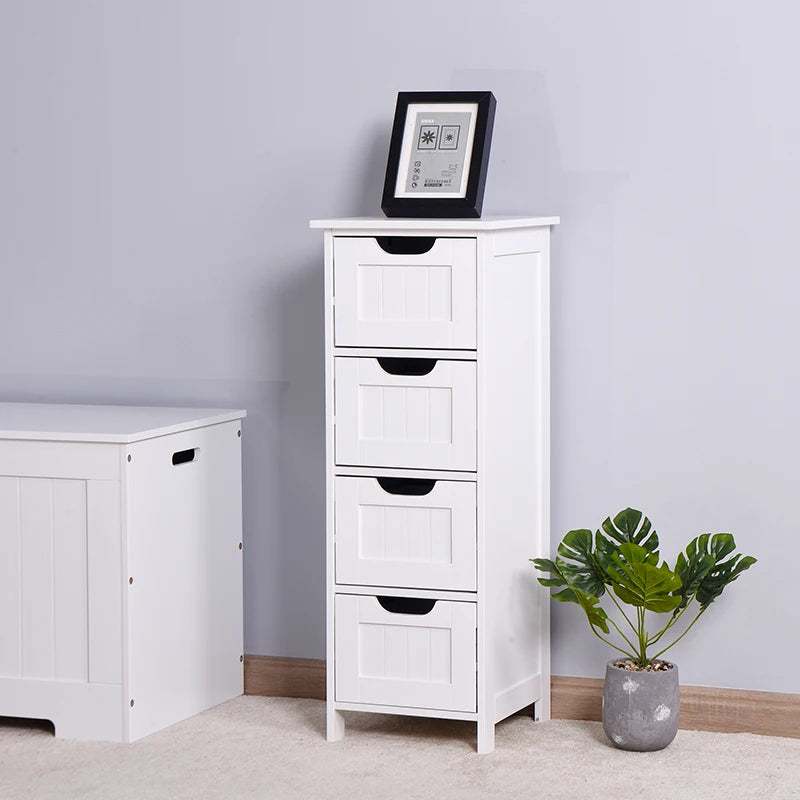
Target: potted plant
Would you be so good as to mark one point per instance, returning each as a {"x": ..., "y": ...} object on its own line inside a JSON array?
[{"x": 621, "y": 562}]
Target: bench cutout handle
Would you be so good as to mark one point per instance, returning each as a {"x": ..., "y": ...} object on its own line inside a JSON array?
[
  {"x": 407, "y": 486},
  {"x": 405, "y": 245},
  {"x": 407, "y": 366},
  {"x": 407, "y": 605},
  {"x": 184, "y": 456}
]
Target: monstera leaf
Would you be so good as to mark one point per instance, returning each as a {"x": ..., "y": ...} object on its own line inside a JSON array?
[
  {"x": 578, "y": 564},
  {"x": 636, "y": 579},
  {"x": 594, "y": 612},
  {"x": 572, "y": 593},
  {"x": 722, "y": 572},
  {"x": 629, "y": 526},
  {"x": 546, "y": 565},
  {"x": 632, "y": 526},
  {"x": 692, "y": 568},
  {"x": 591, "y": 605}
]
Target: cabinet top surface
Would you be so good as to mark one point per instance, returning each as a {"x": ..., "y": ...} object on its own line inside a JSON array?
[
  {"x": 115, "y": 424},
  {"x": 398, "y": 223}
]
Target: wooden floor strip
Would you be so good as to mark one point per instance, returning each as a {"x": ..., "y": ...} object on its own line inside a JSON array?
[
  {"x": 576, "y": 698},
  {"x": 272, "y": 676},
  {"x": 702, "y": 707}
]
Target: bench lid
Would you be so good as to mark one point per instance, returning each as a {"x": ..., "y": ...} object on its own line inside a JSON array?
[{"x": 115, "y": 424}]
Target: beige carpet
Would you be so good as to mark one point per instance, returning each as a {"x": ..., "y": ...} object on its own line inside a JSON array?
[{"x": 255, "y": 747}]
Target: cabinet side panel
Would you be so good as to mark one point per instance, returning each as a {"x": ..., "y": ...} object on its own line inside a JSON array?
[
  {"x": 335, "y": 720},
  {"x": 185, "y": 602},
  {"x": 69, "y": 580},
  {"x": 514, "y": 463},
  {"x": 10, "y": 609},
  {"x": 104, "y": 581},
  {"x": 36, "y": 522}
]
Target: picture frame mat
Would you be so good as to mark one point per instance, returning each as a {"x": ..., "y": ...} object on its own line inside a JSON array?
[{"x": 412, "y": 113}]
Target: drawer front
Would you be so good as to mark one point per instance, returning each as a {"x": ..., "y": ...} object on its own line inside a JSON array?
[
  {"x": 417, "y": 421},
  {"x": 423, "y": 541},
  {"x": 404, "y": 659},
  {"x": 394, "y": 300}
]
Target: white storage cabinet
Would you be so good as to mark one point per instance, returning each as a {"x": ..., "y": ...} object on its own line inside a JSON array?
[
  {"x": 438, "y": 453},
  {"x": 120, "y": 565}
]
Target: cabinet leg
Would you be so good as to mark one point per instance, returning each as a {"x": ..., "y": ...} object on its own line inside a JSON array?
[
  {"x": 485, "y": 737},
  {"x": 541, "y": 710},
  {"x": 335, "y": 724}
]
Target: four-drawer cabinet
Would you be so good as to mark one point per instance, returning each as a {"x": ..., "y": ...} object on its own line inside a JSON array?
[{"x": 438, "y": 457}]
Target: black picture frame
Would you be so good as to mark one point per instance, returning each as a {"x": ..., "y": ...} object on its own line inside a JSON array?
[{"x": 469, "y": 202}]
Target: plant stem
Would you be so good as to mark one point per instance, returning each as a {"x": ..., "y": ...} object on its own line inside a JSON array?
[
  {"x": 611, "y": 644},
  {"x": 629, "y": 642},
  {"x": 700, "y": 614},
  {"x": 621, "y": 611},
  {"x": 642, "y": 638},
  {"x": 670, "y": 622}
]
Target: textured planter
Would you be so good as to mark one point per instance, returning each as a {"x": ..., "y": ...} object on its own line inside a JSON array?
[{"x": 641, "y": 709}]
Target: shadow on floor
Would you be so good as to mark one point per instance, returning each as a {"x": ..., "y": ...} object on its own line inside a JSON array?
[
  {"x": 420, "y": 728},
  {"x": 43, "y": 725}
]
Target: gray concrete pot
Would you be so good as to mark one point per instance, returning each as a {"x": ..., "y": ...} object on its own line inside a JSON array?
[{"x": 641, "y": 709}]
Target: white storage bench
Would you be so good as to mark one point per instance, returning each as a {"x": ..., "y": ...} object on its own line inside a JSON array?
[{"x": 120, "y": 565}]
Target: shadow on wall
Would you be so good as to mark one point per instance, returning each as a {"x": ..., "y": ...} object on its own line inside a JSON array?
[
  {"x": 528, "y": 176},
  {"x": 283, "y": 448},
  {"x": 358, "y": 192},
  {"x": 365, "y": 200},
  {"x": 297, "y": 546},
  {"x": 261, "y": 466},
  {"x": 283, "y": 458},
  {"x": 289, "y": 613}
]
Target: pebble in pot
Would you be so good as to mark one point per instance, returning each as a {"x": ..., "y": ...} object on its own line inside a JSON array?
[{"x": 641, "y": 708}]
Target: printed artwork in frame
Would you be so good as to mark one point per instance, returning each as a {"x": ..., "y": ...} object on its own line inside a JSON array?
[{"x": 439, "y": 154}]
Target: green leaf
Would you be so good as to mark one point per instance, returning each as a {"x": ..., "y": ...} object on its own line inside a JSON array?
[
  {"x": 722, "y": 544},
  {"x": 572, "y": 594},
  {"x": 632, "y": 554},
  {"x": 546, "y": 565},
  {"x": 637, "y": 580},
  {"x": 604, "y": 549},
  {"x": 703, "y": 570},
  {"x": 631, "y": 525},
  {"x": 692, "y": 570},
  {"x": 565, "y": 596},
  {"x": 578, "y": 565},
  {"x": 594, "y": 612},
  {"x": 720, "y": 576}
]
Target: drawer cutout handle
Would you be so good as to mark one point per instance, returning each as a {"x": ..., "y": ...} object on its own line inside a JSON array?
[
  {"x": 184, "y": 456},
  {"x": 407, "y": 366},
  {"x": 406, "y": 245},
  {"x": 407, "y": 605},
  {"x": 407, "y": 486}
]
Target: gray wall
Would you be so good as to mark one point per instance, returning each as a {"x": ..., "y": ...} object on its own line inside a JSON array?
[{"x": 158, "y": 165}]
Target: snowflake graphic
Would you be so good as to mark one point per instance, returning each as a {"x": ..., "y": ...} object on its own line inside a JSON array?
[{"x": 428, "y": 136}]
